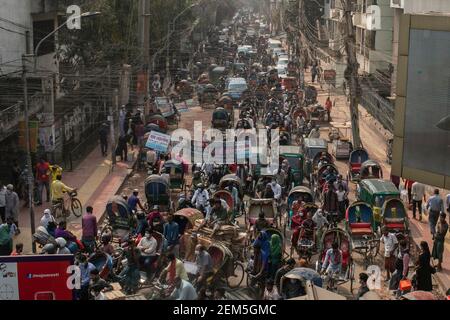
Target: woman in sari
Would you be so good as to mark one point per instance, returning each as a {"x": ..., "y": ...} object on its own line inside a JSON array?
[
  {"x": 439, "y": 240},
  {"x": 276, "y": 254}
]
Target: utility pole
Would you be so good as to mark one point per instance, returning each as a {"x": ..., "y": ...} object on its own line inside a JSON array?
[
  {"x": 300, "y": 41},
  {"x": 111, "y": 101},
  {"x": 351, "y": 73},
  {"x": 146, "y": 46},
  {"x": 27, "y": 142}
]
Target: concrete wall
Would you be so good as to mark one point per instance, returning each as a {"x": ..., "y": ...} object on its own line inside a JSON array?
[
  {"x": 13, "y": 42},
  {"x": 426, "y": 6}
]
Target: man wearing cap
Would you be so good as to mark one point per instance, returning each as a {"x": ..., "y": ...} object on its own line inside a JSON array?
[
  {"x": 103, "y": 135},
  {"x": 134, "y": 201}
]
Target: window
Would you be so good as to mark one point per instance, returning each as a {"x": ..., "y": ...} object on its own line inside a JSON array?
[{"x": 40, "y": 30}]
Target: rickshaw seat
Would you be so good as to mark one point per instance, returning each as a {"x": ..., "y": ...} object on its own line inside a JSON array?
[
  {"x": 361, "y": 231},
  {"x": 399, "y": 226}
]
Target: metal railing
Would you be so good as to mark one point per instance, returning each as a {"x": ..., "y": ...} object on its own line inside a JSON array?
[
  {"x": 73, "y": 155},
  {"x": 379, "y": 108},
  {"x": 10, "y": 117}
]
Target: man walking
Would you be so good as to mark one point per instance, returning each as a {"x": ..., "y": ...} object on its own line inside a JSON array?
[
  {"x": 43, "y": 179},
  {"x": 89, "y": 229},
  {"x": 390, "y": 243},
  {"x": 103, "y": 135},
  {"x": 12, "y": 205},
  {"x": 2, "y": 202},
  {"x": 417, "y": 194},
  {"x": 435, "y": 206}
]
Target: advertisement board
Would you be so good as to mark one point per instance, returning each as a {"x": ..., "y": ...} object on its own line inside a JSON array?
[
  {"x": 40, "y": 277},
  {"x": 158, "y": 141}
]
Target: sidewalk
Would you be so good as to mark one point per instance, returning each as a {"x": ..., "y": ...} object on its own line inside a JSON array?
[{"x": 96, "y": 184}]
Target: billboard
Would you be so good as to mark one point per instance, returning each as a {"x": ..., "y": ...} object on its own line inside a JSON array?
[
  {"x": 421, "y": 149},
  {"x": 40, "y": 277}
]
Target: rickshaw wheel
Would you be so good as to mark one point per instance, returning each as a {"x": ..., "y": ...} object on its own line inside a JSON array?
[{"x": 238, "y": 273}]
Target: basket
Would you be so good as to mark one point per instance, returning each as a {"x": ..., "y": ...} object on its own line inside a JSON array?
[{"x": 405, "y": 285}]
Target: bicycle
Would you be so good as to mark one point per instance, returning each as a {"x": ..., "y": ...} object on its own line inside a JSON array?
[{"x": 60, "y": 209}]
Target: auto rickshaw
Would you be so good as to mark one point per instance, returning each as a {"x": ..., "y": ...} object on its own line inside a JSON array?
[
  {"x": 209, "y": 94},
  {"x": 370, "y": 169},
  {"x": 220, "y": 119},
  {"x": 311, "y": 148},
  {"x": 356, "y": 159},
  {"x": 176, "y": 172},
  {"x": 295, "y": 159},
  {"x": 157, "y": 192},
  {"x": 369, "y": 190}
]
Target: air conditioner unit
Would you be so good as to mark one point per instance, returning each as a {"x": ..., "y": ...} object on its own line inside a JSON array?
[{"x": 398, "y": 4}]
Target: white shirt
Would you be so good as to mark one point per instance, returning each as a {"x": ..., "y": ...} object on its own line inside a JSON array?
[
  {"x": 389, "y": 242},
  {"x": 276, "y": 190},
  {"x": 314, "y": 134},
  {"x": 417, "y": 191},
  {"x": 200, "y": 197},
  {"x": 186, "y": 292},
  {"x": 147, "y": 246},
  {"x": 46, "y": 218},
  {"x": 340, "y": 195}
]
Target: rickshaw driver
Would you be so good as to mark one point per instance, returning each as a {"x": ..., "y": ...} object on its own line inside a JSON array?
[
  {"x": 219, "y": 216},
  {"x": 134, "y": 201},
  {"x": 200, "y": 198},
  {"x": 332, "y": 264}
]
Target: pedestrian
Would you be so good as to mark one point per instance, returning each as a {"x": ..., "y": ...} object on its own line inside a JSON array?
[
  {"x": 363, "y": 289},
  {"x": 314, "y": 72},
  {"x": 103, "y": 136},
  {"x": 86, "y": 268},
  {"x": 395, "y": 180},
  {"x": 390, "y": 243},
  {"x": 439, "y": 240},
  {"x": 447, "y": 203},
  {"x": 435, "y": 205},
  {"x": 89, "y": 229},
  {"x": 12, "y": 205},
  {"x": 328, "y": 106},
  {"x": 130, "y": 275},
  {"x": 6, "y": 241},
  {"x": 423, "y": 269},
  {"x": 401, "y": 267},
  {"x": 408, "y": 186},
  {"x": 19, "y": 249},
  {"x": 15, "y": 173},
  {"x": 2, "y": 202},
  {"x": 43, "y": 180},
  {"x": 276, "y": 255},
  {"x": 171, "y": 233},
  {"x": 418, "y": 194},
  {"x": 122, "y": 147},
  {"x": 122, "y": 116}
]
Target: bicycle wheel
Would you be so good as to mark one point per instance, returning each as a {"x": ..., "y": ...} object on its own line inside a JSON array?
[
  {"x": 235, "y": 280},
  {"x": 76, "y": 207},
  {"x": 57, "y": 211}
]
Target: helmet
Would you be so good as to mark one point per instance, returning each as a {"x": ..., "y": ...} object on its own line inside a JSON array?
[
  {"x": 61, "y": 242},
  {"x": 49, "y": 248}
]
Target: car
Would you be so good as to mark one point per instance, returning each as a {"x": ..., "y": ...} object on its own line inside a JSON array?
[
  {"x": 281, "y": 70},
  {"x": 283, "y": 61},
  {"x": 235, "y": 87}
]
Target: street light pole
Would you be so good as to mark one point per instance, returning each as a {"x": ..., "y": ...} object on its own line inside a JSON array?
[{"x": 27, "y": 142}]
